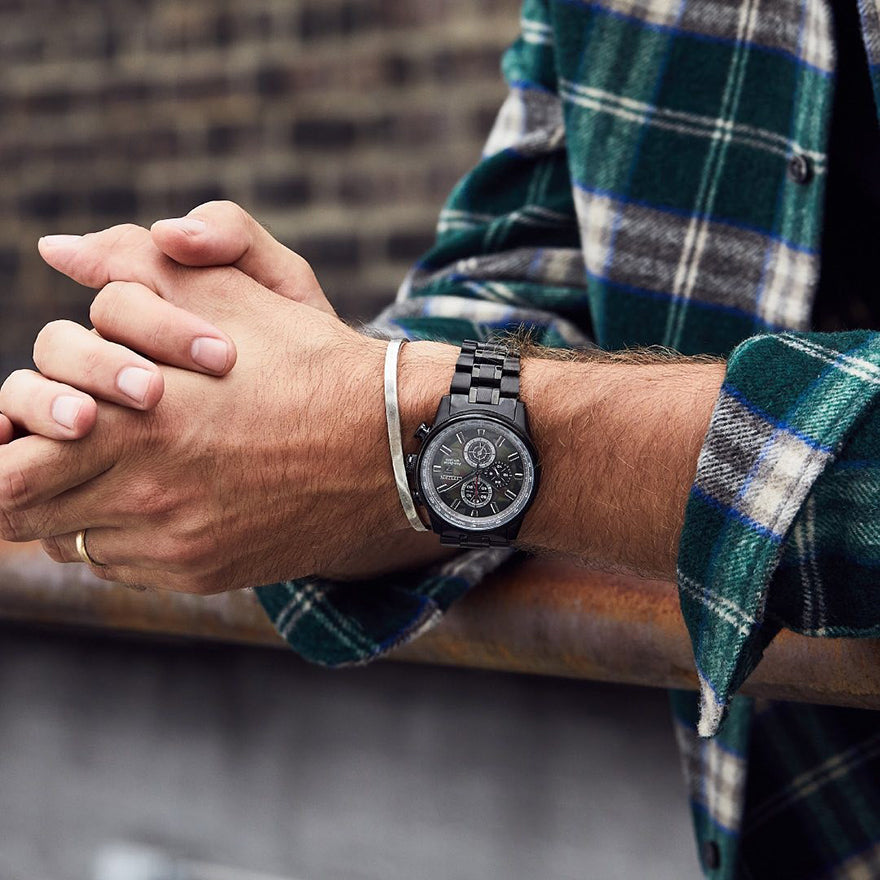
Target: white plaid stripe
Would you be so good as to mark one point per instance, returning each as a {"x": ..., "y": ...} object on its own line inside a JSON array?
[
  {"x": 662, "y": 12},
  {"x": 871, "y": 29},
  {"x": 720, "y": 605},
  {"x": 529, "y": 122},
  {"x": 807, "y": 784},
  {"x": 310, "y": 598},
  {"x": 641, "y": 113},
  {"x": 858, "y": 367},
  {"x": 596, "y": 217},
  {"x": 780, "y": 481},
  {"x": 715, "y": 777},
  {"x": 711, "y": 709},
  {"x": 817, "y": 47},
  {"x": 536, "y": 32},
  {"x": 698, "y": 228},
  {"x": 553, "y": 266},
  {"x": 785, "y": 298},
  {"x": 528, "y": 215},
  {"x": 484, "y": 315}
]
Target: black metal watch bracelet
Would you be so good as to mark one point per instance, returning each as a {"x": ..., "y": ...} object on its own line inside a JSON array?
[{"x": 486, "y": 373}]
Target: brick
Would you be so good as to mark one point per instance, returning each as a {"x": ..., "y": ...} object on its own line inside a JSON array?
[
  {"x": 407, "y": 130},
  {"x": 466, "y": 63},
  {"x": 44, "y": 205},
  {"x": 399, "y": 69},
  {"x": 324, "y": 133},
  {"x": 273, "y": 79},
  {"x": 225, "y": 30},
  {"x": 77, "y": 155},
  {"x": 481, "y": 121},
  {"x": 9, "y": 263},
  {"x": 359, "y": 15},
  {"x": 184, "y": 199},
  {"x": 290, "y": 191},
  {"x": 54, "y": 102},
  {"x": 127, "y": 91},
  {"x": 113, "y": 201},
  {"x": 318, "y": 20},
  {"x": 331, "y": 250},
  {"x": 201, "y": 88},
  {"x": 409, "y": 245}
]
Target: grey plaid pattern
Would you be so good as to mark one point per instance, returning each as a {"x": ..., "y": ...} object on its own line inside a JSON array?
[
  {"x": 780, "y": 466},
  {"x": 530, "y": 121},
  {"x": 641, "y": 247},
  {"x": 715, "y": 777}
]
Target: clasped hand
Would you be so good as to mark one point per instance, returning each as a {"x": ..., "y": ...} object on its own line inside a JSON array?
[{"x": 239, "y": 477}]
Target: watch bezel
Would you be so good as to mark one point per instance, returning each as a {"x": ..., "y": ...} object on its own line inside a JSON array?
[{"x": 475, "y": 414}]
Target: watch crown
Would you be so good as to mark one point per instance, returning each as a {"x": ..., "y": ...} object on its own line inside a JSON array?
[{"x": 422, "y": 431}]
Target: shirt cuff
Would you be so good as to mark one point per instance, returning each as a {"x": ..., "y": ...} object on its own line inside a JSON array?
[
  {"x": 788, "y": 404},
  {"x": 336, "y": 623}
]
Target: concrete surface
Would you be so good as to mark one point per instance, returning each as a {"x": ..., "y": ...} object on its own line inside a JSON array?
[{"x": 243, "y": 762}]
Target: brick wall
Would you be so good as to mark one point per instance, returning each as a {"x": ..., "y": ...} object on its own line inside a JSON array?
[{"x": 341, "y": 124}]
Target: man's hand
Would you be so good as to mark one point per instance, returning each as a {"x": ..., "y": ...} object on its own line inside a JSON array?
[
  {"x": 75, "y": 370},
  {"x": 274, "y": 471}
]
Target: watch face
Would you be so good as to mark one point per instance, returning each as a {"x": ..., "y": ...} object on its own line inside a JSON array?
[{"x": 476, "y": 473}]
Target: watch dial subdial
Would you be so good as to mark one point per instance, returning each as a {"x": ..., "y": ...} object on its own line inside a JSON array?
[
  {"x": 476, "y": 492},
  {"x": 477, "y": 474},
  {"x": 499, "y": 474},
  {"x": 479, "y": 452}
]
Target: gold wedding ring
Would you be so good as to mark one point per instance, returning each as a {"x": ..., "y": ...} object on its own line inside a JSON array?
[{"x": 83, "y": 551}]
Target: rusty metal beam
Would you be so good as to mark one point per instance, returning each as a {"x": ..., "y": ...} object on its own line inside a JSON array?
[{"x": 540, "y": 616}]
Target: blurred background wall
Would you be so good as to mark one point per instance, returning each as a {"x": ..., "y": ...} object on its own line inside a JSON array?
[{"x": 341, "y": 124}]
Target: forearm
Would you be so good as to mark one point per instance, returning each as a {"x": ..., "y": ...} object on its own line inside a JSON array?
[{"x": 618, "y": 438}]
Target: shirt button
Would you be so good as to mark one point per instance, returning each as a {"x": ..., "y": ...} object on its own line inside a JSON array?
[
  {"x": 711, "y": 855},
  {"x": 799, "y": 169}
]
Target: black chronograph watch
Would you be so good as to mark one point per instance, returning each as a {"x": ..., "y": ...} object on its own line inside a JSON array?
[{"x": 476, "y": 472}]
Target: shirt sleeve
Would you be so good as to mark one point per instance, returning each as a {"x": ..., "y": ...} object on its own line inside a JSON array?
[
  {"x": 782, "y": 526},
  {"x": 507, "y": 256}
]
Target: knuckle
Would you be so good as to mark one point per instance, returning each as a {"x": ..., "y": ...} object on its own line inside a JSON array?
[
  {"x": 52, "y": 548},
  {"x": 223, "y": 208},
  {"x": 152, "y": 500},
  {"x": 91, "y": 366},
  {"x": 47, "y": 340},
  {"x": 107, "y": 573},
  {"x": 126, "y": 234},
  {"x": 109, "y": 306},
  {"x": 14, "y": 379},
  {"x": 14, "y": 490},
  {"x": 188, "y": 553},
  {"x": 8, "y": 527}
]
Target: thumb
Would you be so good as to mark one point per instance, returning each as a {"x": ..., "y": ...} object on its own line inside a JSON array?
[{"x": 224, "y": 234}]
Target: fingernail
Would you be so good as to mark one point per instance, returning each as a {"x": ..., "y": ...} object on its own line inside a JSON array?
[
  {"x": 65, "y": 409},
  {"x": 212, "y": 354},
  {"x": 189, "y": 225},
  {"x": 69, "y": 242},
  {"x": 134, "y": 382}
]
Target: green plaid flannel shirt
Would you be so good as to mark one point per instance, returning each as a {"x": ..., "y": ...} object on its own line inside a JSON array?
[{"x": 635, "y": 191}]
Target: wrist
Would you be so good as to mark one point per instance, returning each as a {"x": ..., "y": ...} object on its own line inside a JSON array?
[
  {"x": 619, "y": 444},
  {"x": 424, "y": 376},
  {"x": 424, "y": 372}
]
